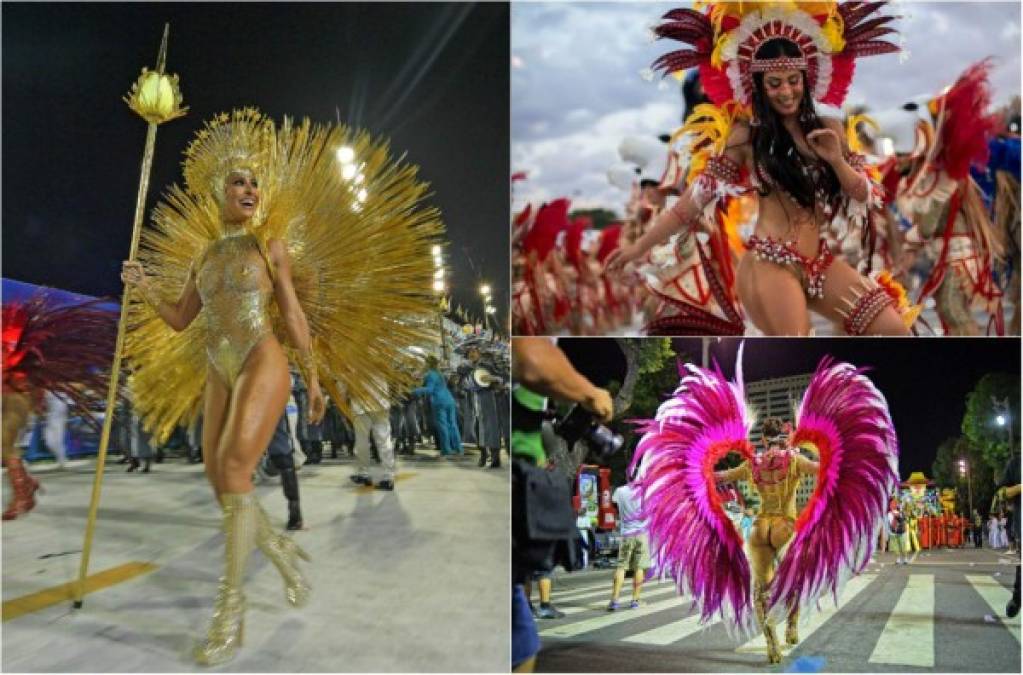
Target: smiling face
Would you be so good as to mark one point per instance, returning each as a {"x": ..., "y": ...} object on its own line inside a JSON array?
[
  {"x": 784, "y": 91},
  {"x": 241, "y": 196}
]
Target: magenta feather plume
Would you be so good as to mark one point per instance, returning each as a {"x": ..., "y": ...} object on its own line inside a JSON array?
[
  {"x": 846, "y": 418},
  {"x": 690, "y": 534}
]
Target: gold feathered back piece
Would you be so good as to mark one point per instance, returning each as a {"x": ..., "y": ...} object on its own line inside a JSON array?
[{"x": 359, "y": 238}]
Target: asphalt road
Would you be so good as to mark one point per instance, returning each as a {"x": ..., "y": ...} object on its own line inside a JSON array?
[
  {"x": 403, "y": 581},
  {"x": 942, "y": 613}
]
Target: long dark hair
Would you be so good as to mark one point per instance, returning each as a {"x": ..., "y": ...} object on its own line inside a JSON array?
[{"x": 774, "y": 151}]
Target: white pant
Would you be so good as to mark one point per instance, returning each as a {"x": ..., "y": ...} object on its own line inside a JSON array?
[{"x": 378, "y": 423}]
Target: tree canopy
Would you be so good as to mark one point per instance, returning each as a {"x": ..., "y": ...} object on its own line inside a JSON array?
[{"x": 979, "y": 425}]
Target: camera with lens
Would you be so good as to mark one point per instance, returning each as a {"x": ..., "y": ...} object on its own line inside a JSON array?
[{"x": 580, "y": 424}]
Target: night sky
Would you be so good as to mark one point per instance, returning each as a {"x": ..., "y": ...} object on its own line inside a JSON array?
[
  {"x": 431, "y": 77},
  {"x": 925, "y": 381}
]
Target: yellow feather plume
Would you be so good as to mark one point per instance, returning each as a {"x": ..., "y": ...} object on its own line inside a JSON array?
[
  {"x": 852, "y": 136},
  {"x": 709, "y": 125},
  {"x": 360, "y": 261}
]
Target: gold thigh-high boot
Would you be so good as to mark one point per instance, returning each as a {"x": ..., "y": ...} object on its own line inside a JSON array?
[
  {"x": 241, "y": 522},
  {"x": 284, "y": 553},
  {"x": 792, "y": 630},
  {"x": 760, "y": 603}
]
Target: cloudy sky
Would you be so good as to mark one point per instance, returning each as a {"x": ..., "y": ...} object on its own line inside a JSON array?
[{"x": 579, "y": 83}]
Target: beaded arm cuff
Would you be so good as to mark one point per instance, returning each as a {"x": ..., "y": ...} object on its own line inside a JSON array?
[{"x": 865, "y": 310}]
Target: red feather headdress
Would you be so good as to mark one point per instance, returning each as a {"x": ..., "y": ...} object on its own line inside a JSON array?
[{"x": 723, "y": 39}]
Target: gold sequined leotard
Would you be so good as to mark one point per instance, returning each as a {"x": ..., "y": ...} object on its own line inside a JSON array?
[{"x": 235, "y": 286}]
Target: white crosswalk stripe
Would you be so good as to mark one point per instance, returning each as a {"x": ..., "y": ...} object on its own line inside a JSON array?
[
  {"x": 908, "y": 637},
  {"x": 996, "y": 596},
  {"x": 816, "y": 619},
  {"x": 670, "y": 632},
  {"x": 578, "y": 605},
  {"x": 611, "y": 618}
]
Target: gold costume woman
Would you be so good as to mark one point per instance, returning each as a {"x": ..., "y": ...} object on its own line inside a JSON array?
[
  {"x": 775, "y": 474},
  {"x": 280, "y": 235}
]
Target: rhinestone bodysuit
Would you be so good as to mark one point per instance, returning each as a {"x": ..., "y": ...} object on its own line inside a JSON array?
[{"x": 235, "y": 286}]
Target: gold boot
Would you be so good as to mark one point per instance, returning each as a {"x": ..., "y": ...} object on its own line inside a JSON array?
[
  {"x": 792, "y": 630},
  {"x": 284, "y": 553},
  {"x": 241, "y": 521},
  {"x": 760, "y": 603}
]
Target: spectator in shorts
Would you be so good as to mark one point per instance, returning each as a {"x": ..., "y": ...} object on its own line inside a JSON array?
[
  {"x": 634, "y": 549},
  {"x": 897, "y": 528}
]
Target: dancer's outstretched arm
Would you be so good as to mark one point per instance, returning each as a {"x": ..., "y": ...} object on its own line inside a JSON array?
[
  {"x": 720, "y": 171},
  {"x": 740, "y": 472},
  {"x": 178, "y": 315}
]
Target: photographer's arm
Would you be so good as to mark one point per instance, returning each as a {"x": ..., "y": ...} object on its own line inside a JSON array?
[{"x": 540, "y": 366}]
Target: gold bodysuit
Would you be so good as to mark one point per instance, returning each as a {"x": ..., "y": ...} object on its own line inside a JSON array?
[{"x": 235, "y": 286}]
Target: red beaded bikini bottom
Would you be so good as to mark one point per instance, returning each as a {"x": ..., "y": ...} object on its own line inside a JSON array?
[{"x": 811, "y": 270}]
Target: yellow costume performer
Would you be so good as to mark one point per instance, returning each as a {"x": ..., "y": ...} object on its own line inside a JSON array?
[{"x": 333, "y": 231}]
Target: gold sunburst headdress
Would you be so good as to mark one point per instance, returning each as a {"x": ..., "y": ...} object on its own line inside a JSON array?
[{"x": 359, "y": 236}]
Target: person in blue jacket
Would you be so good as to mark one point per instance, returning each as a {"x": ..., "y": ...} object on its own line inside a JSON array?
[{"x": 445, "y": 420}]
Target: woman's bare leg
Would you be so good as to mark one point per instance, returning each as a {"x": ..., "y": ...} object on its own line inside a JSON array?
[
  {"x": 781, "y": 533},
  {"x": 841, "y": 284},
  {"x": 257, "y": 401},
  {"x": 762, "y": 558},
  {"x": 214, "y": 413},
  {"x": 773, "y": 298}
]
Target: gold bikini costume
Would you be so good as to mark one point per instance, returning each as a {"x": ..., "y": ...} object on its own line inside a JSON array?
[{"x": 235, "y": 285}]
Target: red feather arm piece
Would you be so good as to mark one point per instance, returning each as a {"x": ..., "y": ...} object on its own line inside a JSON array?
[
  {"x": 845, "y": 419},
  {"x": 967, "y": 127},
  {"x": 694, "y": 541},
  {"x": 64, "y": 349}
]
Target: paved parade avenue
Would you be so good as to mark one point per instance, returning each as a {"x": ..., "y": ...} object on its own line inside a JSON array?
[
  {"x": 402, "y": 581},
  {"x": 945, "y": 612}
]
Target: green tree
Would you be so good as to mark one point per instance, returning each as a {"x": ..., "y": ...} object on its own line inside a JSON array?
[
  {"x": 601, "y": 217},
  {"x": 981, "y": 410},
  {"x": 648, "y": 362},
  {"x": 979, "y": 480}
]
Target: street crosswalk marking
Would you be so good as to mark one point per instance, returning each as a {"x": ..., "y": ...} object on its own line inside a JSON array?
[
  {"x": 604, "y": 591},
  {"x": 996, "y": 596},
  {"x": 816, "y": 619},
  {"x": 611, "y": 618},
  {"x": 588, "y": 605},
  {"x": 581, "y": 590},
  {"x": 671, "y": 632},
  {"x": 908, "y": 637}
]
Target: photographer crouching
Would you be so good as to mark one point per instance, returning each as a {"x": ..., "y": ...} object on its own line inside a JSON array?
[{"x": 543, "y": 521}]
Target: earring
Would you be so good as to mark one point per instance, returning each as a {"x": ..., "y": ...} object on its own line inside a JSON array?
[
  {"x": 805, "y": 116},
  {"x": 754, "y": 122}
]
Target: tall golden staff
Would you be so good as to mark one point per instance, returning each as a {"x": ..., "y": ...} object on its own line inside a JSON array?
[{"x": 156, "y": 98}]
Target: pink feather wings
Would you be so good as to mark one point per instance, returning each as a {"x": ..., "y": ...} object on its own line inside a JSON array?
[
  {"x": 842, "y": 417},
  {"x": 690, "y": 535},
  {"x": 845, "y": 420}
]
